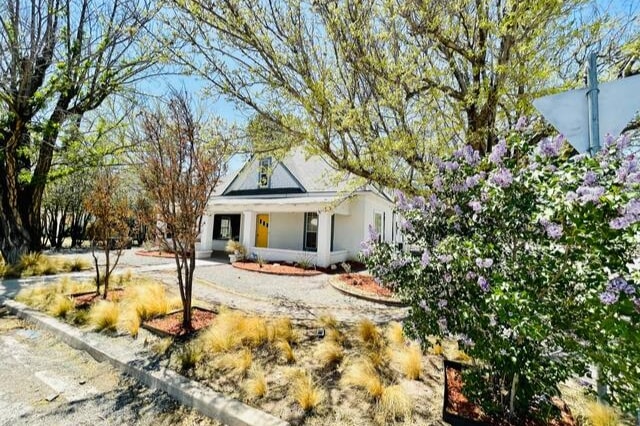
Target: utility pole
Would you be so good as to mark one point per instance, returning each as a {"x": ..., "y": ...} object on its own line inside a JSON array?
[{"x": 592, "y": 96}]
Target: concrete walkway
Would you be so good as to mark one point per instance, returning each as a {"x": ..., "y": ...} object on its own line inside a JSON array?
[{"x": 220, "y": 283}]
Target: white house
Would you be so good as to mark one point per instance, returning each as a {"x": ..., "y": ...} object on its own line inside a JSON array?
[{"x": 293, "y": 209}]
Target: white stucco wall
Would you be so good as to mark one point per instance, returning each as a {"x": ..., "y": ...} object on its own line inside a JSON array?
[
  {"x": 347, "y": 231},
  {"x": 375, "y": 204},
  {"x": 286, "y": 230}
]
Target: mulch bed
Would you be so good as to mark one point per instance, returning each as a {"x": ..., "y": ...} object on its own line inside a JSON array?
[
  {"x": 84, "y": 300},
  {"x": 276, "y": 269},
  {"x": 171, "y": 324},
  {"x": 154, "y": 253},
  {"x": 365, "y": 283},
  {"x": 456, "y": 403}
]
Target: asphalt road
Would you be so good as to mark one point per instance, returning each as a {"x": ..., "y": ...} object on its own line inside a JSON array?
[{"x": 45, "y": 382}]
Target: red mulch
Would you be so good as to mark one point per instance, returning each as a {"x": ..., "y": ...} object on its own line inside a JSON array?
[
  {"x": 172, "y": 322},
  {"x": 276, "y": 269},
  {"x": 459, "y": 405},
  {"x": 83, "y": 300},
  {"x": 365, "y": 283},
  {"x": 154, "y": 253}
]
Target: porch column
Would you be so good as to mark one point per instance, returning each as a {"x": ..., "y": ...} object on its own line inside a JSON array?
[
  {"x": 324, "y": 239},
  {"x": 206, "y": 232},
  {"x": 248, "y": 229}
]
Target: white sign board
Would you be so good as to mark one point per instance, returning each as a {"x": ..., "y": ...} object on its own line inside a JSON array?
[{"x": 568, "y": 112}]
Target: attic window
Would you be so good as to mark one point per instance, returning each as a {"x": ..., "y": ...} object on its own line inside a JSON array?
[{"x": 264, "y": 173}]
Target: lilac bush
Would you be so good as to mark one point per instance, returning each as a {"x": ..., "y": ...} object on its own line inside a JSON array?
[{"x": 525, "y": 257}]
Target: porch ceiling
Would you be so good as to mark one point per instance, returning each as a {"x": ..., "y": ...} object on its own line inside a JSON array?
[{"x": 284, "y": 204}]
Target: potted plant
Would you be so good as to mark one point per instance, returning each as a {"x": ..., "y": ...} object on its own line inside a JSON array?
[{"x": 236, "y": 251}]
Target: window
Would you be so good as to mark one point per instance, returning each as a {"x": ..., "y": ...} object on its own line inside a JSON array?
[
  {"x": 311, "y": 231},
  {"x": 378, "y": 225},
  {"x": 264, "y": 173},
  {"x": 226, "y": 227}
]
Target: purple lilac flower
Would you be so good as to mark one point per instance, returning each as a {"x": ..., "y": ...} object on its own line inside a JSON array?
[
  {"x": 484, "y": 263},
  {"x": 571, "y": 196},
  {"x": 472, "y": 181},
  {"x": 620, "y": 285},
  {"x": 578, "y": 158},
  {"x": 366, "y": 248},
  {"x": 465, "y": 340},
  {"x": 483, "y": 283},
  {"x": 498, "y": 152},
  {"x": 401, "y": 201},
  {"x": 449, "y": 165},
  {"x": 447, "y": 278},
  {"x": 373, "y": 234},
  {"x": 398, "y": 263},
  {"x": 445, "y": 258},
  {"x": 475, "y": 205},
  {"x": 588, "y": 194},
  {"x": 628, "y": 167},
  {"x": 521, "y": 123},
  {"x": 553, "y": 230},
  {"x": 550, "y": 147},
  {"x": 434, "y": 202},
  {"x": 423, "y": 304},
  {"x": 442, "y": 303},
  {"x": 457, "y": 210},
  {"x": 470, "y": 276},
  {"x": 406, "y": 225},
  {"x": 632, "y": 208},
  {"x": 621, "y": 222},
  {"x": 437, "y": 184},
  {"x": 425, "y": 259},
  {"x": 502, "y": 178},
  {"x": 418, "y": 202},
  {"x": 590, "y": 178},
  {"x": 608, "y": 297},
  {"x": 609, "y": 140},
  {"x": 484, "y": 196},
  {"x": 623, "y": 142}
]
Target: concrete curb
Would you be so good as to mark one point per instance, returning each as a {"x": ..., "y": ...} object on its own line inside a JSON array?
[{"x": 188, "y": 392}]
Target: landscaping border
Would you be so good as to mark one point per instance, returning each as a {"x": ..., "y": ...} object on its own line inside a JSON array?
[
  {"x": 306, "y": 273},
  {"x": 188, "y": 392},
  {"x": 343, "y": 288}
]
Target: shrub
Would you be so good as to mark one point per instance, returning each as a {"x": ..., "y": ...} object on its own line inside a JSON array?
[
  {"x": 525, "y": 258},
  {"x": 235, "y": 363},
  {"x": 329, "y": 353},
  {"x": 409, "y": 361},
  {"x": 283, "y": 330},
  {"x": 148, "y": 300},
  {"x": 161, "y": 346},
  {"x": 285, "y": 350},
  {"x": 61, "y": 306},
  {"x": 235, "y": 247},
  {"x": 190, "y": 355},
  {"x": 602, "y": 415},
  {"x": 363, "y": 375},
  {"x": 130, "y": 321},
  {"x": 104, "y": 316},
  {"x": 368, "y": 332},
  {"x": 327, "y": 321},
  {"x": 305, "y": 262},
  {"x": 395, "y": 334},
  {"x": 256, "y": 385},
  {"x": 306, "y": 393},
  {"x": 394, "y": 403}
]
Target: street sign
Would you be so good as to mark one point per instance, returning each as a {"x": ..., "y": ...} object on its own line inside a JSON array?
[{"x": 568, "y": 112}]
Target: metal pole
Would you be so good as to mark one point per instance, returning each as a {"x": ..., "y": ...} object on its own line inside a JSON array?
[{"x": 592, "y": 96}]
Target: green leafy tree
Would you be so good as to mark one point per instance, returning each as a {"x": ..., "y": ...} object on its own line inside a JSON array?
[
  {"x": 380, "y": 86},
  {"x": 59, "y": 60}
]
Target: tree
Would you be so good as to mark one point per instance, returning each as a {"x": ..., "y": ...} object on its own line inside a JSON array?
[
  {"x": 181, "y": 162},
  {"x": 59, "y": 60},
  {"x": 109, "y": 208},
  {"x": 381, "y": 87}
]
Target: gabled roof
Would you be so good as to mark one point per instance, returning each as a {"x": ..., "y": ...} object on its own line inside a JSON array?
[{"x": 295, "y": 173}]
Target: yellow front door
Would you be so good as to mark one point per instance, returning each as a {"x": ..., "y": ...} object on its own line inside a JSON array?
[{"x": 262, "y": 230}]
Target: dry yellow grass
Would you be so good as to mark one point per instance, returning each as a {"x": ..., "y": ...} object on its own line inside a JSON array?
[
  {"x": 60, "y": 306},
  {"x": 394, "y": 403},
  {"x": 129, "y": 320},
  {"x": 408, "y": 361},
  {"x": 329, "y": 353},
  {"x": 286, "y": 351},
  {"x": 368, "y": 332},
  {"x": 235, "y": 363},
  {"x": 104, "y": 315},
  {"x": 253, "y": 330},
  {"x": 462, "y": 356},
  {"x": 327, "y": 321},
  {"x": 39, "y": 297},
  {"x": 334, "y": 335},
  {"x": 602, "y": 415},
  {"x": 363, "y": 375},
  {"x": 282, "y": 329},
  {"x": 224, "y": 334},
  {"x": 161, "y": 346},
  {"x": 148, "y": 300},
  {"x": 395, "y": 333},
  {"x": 190, "y": 355},
  {"x": 437, "y": 349},
  {"x": 256, "y": 385},
  {"x": 306, "y": 393}
]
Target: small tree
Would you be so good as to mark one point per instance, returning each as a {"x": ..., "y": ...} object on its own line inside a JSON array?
[
  {"x": 181, "y": 163},
  {"x": 109, "y": 207}
]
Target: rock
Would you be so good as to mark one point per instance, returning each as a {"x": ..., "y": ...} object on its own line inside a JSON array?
[{"x": 52, "y": 397}]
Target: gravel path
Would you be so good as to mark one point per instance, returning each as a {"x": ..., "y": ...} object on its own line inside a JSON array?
[{"x": 45, "y": 382}]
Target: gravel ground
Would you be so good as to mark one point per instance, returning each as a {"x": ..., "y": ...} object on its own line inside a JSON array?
[{"x": 45, "y": 382}]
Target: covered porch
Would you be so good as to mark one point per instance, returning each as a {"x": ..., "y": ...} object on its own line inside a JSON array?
[{"x": 289, "y": 229}]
